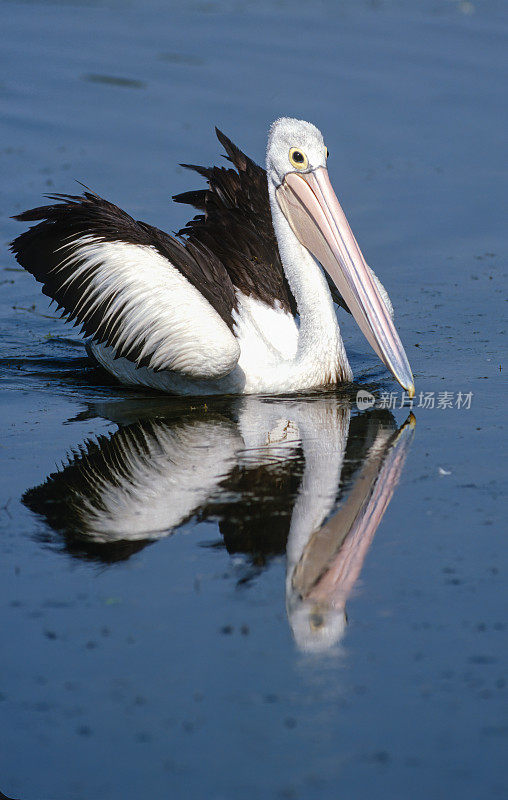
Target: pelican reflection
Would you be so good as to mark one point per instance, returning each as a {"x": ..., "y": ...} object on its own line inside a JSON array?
[{"x": 302, "y": 476}]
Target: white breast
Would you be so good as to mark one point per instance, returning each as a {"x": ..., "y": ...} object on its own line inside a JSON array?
[
  {"x": 267, "y": 338},
  {"x": 266, "y": 334}
]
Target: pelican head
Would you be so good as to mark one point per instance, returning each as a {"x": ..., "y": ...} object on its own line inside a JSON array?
[
  {"x": 297, "y": 174},
  {"x": 317, "y": 627}
]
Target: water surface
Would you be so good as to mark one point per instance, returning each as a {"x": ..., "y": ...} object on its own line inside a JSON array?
[{"x": 173, "y": 584}]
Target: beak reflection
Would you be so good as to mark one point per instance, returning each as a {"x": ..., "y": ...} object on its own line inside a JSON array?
[
  {"x": 332, "y": 559},
  {"x": 268, "y": 470}
]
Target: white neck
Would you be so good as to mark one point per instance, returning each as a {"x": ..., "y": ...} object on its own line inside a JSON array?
[{"x": 319, "y": 341}]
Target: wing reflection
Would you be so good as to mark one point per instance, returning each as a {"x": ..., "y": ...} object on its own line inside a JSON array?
[{"x": 301, "y": 476}]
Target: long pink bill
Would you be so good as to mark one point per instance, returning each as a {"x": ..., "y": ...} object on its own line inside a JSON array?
[{"x": 318, "y": 221}]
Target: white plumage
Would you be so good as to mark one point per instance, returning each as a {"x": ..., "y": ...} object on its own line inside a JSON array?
[{"x": 157, "y": 306}]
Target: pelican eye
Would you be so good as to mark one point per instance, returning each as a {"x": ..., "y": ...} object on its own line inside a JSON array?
[{"x": 298, "y": 159}]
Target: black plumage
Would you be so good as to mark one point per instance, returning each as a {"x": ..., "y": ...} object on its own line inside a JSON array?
[
  {"x": 65, "y": 498},
  {"x": 230, "y": 246},
  {"x": 237, "y": 226},
  {"x": 41, "y": 249}
]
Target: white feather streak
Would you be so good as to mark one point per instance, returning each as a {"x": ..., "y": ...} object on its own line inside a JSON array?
[{"x": 158, "y": 306}]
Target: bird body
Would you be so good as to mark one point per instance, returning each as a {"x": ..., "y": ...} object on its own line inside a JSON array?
[
  {"x": 241, "y": 301},
  {"x": 267, "y": 339}
]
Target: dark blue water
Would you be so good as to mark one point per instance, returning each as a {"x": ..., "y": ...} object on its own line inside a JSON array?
[{"x": 152, "y": 643}]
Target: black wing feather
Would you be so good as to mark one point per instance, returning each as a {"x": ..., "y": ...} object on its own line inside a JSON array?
[
  {"x": 42, "y": 248},
  {"x": 237, "y": 226}
]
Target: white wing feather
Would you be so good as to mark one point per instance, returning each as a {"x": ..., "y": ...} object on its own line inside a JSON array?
[{"x": 152, "y": 304}]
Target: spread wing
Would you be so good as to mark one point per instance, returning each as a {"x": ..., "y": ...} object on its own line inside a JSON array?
[{"x": 159, "y": 302}]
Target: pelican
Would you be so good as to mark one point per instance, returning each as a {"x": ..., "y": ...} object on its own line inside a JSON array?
[
  {"x": 241, "y": 300},
  {"x": 327, "y": 479}
]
